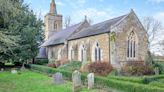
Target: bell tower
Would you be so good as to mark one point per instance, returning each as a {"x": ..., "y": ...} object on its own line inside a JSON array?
[{"x": 52, "y": 20}]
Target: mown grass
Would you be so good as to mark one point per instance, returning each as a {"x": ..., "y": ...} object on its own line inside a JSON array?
[{"x": 28, "y": 81}]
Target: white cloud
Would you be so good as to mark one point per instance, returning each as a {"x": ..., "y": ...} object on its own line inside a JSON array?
[
  {"x": 60, "y": 3},
  {"x": 160, "y": 17},
  {"x": 81, "y": 1},
  {"x": 92, "y": 13}
]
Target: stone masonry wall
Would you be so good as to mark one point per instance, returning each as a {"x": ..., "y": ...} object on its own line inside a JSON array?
[
  {"x": 131, "y": 23},
  {"x": 88, "y": 42}
]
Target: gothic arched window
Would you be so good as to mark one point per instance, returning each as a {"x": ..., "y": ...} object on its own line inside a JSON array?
[
  {"x": 59, "y": 54},
  {"x": 72, "y": 53},
  {"x": 96, "y": 53},
  {"x": 83, "y": 53},
  {"x": 131, "y": 49}
]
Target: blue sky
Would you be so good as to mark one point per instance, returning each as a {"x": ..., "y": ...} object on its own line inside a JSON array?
[{"x": 100, "y": 10}]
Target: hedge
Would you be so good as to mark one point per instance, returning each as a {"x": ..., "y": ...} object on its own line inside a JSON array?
[
  {"x": 41, "y": 61},
  {"x": 107, "y": 82},
  {"x": 129, "y": 79}
]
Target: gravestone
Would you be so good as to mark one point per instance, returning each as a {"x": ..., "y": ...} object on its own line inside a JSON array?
[
  {"x": 90, "y": 80},
  {"x": 14, "y": 71},
  {"x": 156, "y": 70},
  {"x": 76, "y": 78},
  {"x": 58, "y": 78},
  {"x": 2, "y": 69}
]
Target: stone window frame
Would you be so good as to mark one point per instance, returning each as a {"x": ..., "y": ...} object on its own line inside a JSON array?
[
  {"x": 96, "y": 52},
  {"x": 132, "y": 45},
  {"x": 59, "y": 56},
  {"x": 82, "y": 53},
  {"x": 71, "y": 53}
]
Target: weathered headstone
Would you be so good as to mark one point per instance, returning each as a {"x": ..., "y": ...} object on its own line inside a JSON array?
[
  {"x": 58, "y": 78},
  {"x": 76, "y": 78},
  {"x": 90, "y": 80},
  {"x": 156, "y": 70},
  {"x": 2, "y": 69},
  {"x": 14, "y": 71}
]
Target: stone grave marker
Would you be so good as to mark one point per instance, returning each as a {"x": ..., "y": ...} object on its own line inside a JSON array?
[
  {"x": 14, "y": 71},
  {"x": 2, "y": 69},
  {"x": 76, "y": 78},
  {"x": 156, "y": 70},
  {"x": 58, "y": 78},
  {"x": 90, "y": 80}
]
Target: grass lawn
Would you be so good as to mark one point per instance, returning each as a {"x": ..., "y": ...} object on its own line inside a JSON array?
[{"x": 28, "y": 81}]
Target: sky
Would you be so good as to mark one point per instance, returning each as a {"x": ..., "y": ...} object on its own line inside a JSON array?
[{"x": 100, "y": 10}]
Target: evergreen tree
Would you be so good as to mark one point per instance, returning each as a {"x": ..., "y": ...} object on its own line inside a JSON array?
[{"x": 21, "y": 31}]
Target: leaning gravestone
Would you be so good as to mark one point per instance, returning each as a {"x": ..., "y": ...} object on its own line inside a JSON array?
[
  {"x": 76, "y": 78},
  {"x": 90, "y": 80},
  {"x": 58, "y": 78}
]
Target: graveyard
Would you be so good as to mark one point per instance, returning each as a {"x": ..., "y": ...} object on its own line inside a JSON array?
[
  {"x": 81, "y": 46},
  {"x": 28, "y": 81},
  {"x": 40, "y": 78}
]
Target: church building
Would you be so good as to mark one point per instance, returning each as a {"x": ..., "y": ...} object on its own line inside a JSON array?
[{"x": 118, "y": 41}]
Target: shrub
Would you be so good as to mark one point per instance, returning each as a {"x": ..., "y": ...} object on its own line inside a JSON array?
[
  {"x": 160, "y": 65},
  {"x": 53, "y": 65},
  {"x": 64, "y": 61},
  {"x": 71, "y": 66},
  {"x": 2, "y": 64},
  {"x": 41, "y": 61},
  {"x": 137, "y": 68},
  {"x": 100, "y": 68},
  {"x": 18, "y": 63}
]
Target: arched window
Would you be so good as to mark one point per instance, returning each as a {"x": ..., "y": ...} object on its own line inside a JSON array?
[
  {"x": 82, "y": 53},
  {"x": 96, "y": 53},
  {"x": 71, "y": 53},
  {"x": 59, "y": 54},
  {"x": 131, "y": 49}
]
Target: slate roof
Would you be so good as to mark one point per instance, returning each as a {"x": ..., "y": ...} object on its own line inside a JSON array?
[
  {"x": 71, "y": 32},
  {"x": 60, "y": 36},
  {"x": 96, "y": 29},
  {"x": 42, "y": 53}
]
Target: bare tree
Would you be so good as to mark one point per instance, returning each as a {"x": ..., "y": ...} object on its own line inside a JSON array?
[
  {"x": 162, "y": 47},
  {"x": 152, "y": 27},
  {"x": 67, "y": 21}
]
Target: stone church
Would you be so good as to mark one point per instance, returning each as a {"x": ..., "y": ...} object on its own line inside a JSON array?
[{"x": 117, "y": 41}]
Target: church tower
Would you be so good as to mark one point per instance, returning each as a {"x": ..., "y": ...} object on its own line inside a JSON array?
[{"x": 53, "y": 21}]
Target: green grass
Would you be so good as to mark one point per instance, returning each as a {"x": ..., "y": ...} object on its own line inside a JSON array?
[
  {"x": 28, "y": 81},
  {"x": 126, "y": 84}
]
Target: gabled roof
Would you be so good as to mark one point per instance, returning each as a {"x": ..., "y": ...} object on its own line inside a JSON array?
[
  {"x": 61, "y": 36},
  {"x": 96, "y": 29}
]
